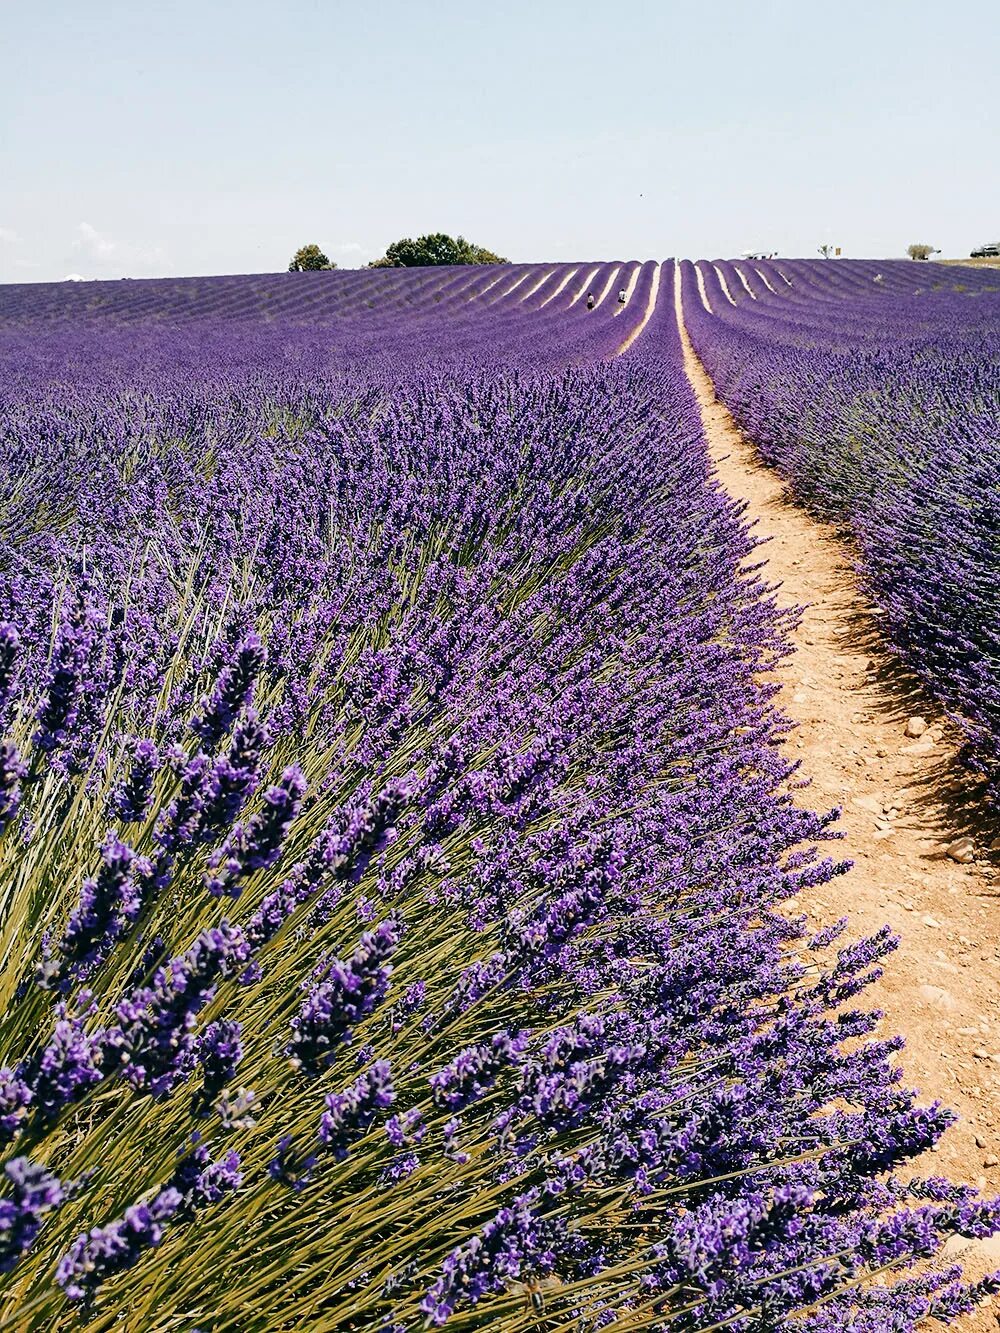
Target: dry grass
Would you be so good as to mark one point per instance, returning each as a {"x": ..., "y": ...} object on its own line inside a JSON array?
[{"x": 992, "y": 262}]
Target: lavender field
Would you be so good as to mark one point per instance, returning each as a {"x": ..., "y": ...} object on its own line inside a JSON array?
[{"x": 398, "y": 854}]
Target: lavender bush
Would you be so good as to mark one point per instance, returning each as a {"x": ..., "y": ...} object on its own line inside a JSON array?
[{"x": 397, "y": 848}]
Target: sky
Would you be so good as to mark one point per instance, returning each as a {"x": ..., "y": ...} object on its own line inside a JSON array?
[{"x": 162, "y": 137}]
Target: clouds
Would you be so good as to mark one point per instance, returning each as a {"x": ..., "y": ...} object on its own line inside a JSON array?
[
  {"x": 92, "y": 242},
  {"x": 109, "y": 256},
  {"x": 12, "y": 258},
  {"x": 350, "y": 253},
  {"x": 84, "y": 249}
]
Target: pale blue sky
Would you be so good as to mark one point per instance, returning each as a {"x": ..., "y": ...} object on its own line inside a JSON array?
[{"x": 215, "y": 136}]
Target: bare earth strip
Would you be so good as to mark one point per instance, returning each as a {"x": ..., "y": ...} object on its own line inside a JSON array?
[
  {"x": 904, "y": 800},
  {"x": 607, "y": 286},
  {"x": 654, "y": 289},
  {"x": 629, "y": 289}
]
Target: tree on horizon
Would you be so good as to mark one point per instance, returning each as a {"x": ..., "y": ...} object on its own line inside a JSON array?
[
  {"x": 437, "y": 249},
  {"x": 309, "y": 258}
]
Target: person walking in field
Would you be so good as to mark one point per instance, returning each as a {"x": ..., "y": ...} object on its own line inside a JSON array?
[
  {"x": 590, "y": 300},
  {"x": 621, "y": 295}
]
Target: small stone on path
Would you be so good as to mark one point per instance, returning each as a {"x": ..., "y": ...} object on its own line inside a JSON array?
[
  {"x": 962, "y": 850},
  {"x": 940, "y": 998}
]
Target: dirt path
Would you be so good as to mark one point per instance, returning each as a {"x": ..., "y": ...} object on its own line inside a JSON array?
[
  {"x": 905, "y": 799},
  {"x": 654, "y": 291}
]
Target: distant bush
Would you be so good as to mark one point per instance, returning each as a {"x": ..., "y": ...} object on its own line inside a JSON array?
[
  {"x": 921, "y": 251},
  {"x": 309, "y": 257},
  {"x": 435, "y": 249}
]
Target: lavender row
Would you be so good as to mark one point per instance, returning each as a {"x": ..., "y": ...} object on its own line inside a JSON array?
[
  {"x": 397, "y": 854},
  {"x": 875, "y": 390}
]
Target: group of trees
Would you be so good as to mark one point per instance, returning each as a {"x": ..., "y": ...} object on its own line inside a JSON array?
[{"x": 436, "y": 248}]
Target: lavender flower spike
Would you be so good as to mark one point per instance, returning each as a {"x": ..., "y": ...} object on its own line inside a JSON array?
[
  {"x": 219, "y": 1052},
  {"x": 104, "y": 1251},
  {"x": 153, "y": 1039},
  {"x": 349, "y": 992},
  {"x": 257, "y": 843},
  {"x": 133, "y": 798},
  {"x": 34, "y": 1192},
  {"x": 15, "y": 1099},
  {"x": 12, "y": 770},
  {"x": 10, "y": 646},
  {"x": 108, "y": 904},
  {"x": 233, "y": 689},
  {"x": 60, "y": 707},
  {"x": 475, "y": 1070},
  {"x": 349, "y": 1114}
]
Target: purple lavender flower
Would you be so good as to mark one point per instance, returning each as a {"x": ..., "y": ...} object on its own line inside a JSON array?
[
  {"x": 131, "y": 801},
  {"x": 109, "y": 902},
  {"x": 518, "y": 1242},
  {"x": 564, "y": 1093},
  {"x": 234, "y": 776},
  {"x": 179, "y": 823},
  {"x": 33, "y": 1192},
  {"x": 341, "y": 853},
  {"x": 474, "y": 1070},
  {"x": 287, "y": 1168},
  {"x": 219, "y": 1052},
  {"x": 365, "y": 832},
  {"x": 349, "y": 1114},
  {"x": 405, "y": 1130},
  {"x": 212, "y": 792},
  {"x": 257, "y": 843},
  {"x": 104, "y": 1251},
  {"x": 59, "y": 709},
  {"x": 12, "y": 770},
  {"x": 15, "y": 1099},
  {"x": 233, "y": 688},
  {"x": 153, "y": 1040},
  {"x": 199, "y": 1181},
  {"x": 10, "y": 646},
  {"x": 341, "y": 996},
  {"x": 71, "y": 1062}
]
